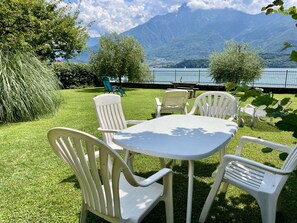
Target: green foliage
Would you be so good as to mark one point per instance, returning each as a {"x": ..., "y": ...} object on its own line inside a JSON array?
[
  {"x": 237, "y": 63},
  {"x": 120, "y": 56},
  {"x": 41, "y": 26},
  {"x": 28, "y": 87},
  {"x": 291, "y": 11},
  {"x": 74, "y": 75},
  {"x": 273, "y": 107}
]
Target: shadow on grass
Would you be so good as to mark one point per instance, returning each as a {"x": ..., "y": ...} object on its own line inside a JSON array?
[
  {"x": 201, "y": 169},
  {"x": 233, "y": 208},
  {"x": 260, "y": 126},
  {"x": 101, "y": 90}
]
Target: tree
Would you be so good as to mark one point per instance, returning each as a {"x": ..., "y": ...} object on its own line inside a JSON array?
[
  {"x": 41, "y": 26},
  {"x": 120, "y": 56},
  {"x": 279, "y": 4},
  {"x": 237, "y": 63}
]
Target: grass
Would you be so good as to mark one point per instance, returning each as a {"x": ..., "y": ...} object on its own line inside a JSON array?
[{"x": 38, "y": 187}]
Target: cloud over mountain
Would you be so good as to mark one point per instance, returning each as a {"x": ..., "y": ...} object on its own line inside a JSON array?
[{"x": 122, "y": 15}]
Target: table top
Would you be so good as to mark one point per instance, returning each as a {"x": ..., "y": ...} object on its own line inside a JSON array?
[{"x": 183, "y": 137}]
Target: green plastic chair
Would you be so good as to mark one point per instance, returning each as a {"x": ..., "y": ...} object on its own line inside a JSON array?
[{"x": 112, "y": 88}]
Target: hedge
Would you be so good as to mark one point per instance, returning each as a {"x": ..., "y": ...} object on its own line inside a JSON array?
[{"x": 75, "y": 75}]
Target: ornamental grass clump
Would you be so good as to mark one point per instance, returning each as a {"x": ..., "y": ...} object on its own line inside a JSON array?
[{"x": 28, "y": 87}]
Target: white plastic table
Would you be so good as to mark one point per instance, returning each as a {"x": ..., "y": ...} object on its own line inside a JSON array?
[{"x": 181, "y": 137}]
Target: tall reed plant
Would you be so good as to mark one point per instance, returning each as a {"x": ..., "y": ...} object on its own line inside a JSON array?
[{"x": 28, "y": 87}]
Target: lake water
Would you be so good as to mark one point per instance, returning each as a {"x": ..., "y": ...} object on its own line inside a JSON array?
[{"x": 271, "y": 77}]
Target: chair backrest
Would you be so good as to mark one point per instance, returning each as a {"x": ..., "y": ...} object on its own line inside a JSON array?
[
  {"x": 99, "y": 182},
  {"x": 110, "y": 114},
  {"x": 174, "y": 100},
  {"x": 291, "y": 160},
  {"x": 107, "y": 84},
  {"x": 215, "y": 104}
]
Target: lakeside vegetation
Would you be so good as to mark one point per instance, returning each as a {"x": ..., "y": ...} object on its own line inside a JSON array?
[{"x": 36, "y": 186}]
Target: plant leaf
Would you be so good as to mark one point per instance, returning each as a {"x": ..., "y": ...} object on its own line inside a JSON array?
[{"x": 293, "y": 55}]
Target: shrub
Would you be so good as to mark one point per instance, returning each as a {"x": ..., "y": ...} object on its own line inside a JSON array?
[
  {"x": 237, "y": 64},
  {"x": 28, "y": 87},
  {"x": 74, "y": 75}
]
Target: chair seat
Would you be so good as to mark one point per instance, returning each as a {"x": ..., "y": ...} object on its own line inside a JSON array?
[
  {"x": 246, "y": 176},
  {"x": 250, "y": 111},
  {"x": 136, "y": 201},
  {"x": 174, "y": 100}
]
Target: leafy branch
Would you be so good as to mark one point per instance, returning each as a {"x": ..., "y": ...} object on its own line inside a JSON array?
[
  {"x": 277, "y": 6},
  {"x": 273, "y": 107}
]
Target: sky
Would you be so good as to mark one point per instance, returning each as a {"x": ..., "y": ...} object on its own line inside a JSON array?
[{"x": 121, "y": 15}]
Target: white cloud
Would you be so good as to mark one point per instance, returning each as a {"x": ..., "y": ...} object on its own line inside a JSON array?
[
  {"x": 121, "y": 15},
  {"x": 252, "y": 6},
  {"x": 248, "y": 6}
]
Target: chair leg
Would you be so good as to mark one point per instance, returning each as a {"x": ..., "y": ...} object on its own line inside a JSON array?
[
  {"x": 162, "y": 162},
  {"x": 83, "y": 213},
  {"x": 222, "y": 153},
  {"x": 129, "y": 159},
  {"x": 210, "y": 199},
  {"x": 224, "y": 187},
  {"x": 168, "y": 198},
  {"x": 176, "y": 162},
  {"x": 268, "y": 208}
]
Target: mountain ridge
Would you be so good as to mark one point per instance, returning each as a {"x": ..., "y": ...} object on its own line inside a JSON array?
[{"x": 195, "y": 34}]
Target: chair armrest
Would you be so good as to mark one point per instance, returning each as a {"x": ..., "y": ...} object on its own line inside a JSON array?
[
  {"x": 134, "y": 122},
  {"x": 155, "y": 177},
  {"x": 108, "y": 130},
  {"x": 272, "y": 145},
  {"x": 229, "y": 158},
  {"x": 115, "y": 87},
  {"x": 252, "y": 106}
]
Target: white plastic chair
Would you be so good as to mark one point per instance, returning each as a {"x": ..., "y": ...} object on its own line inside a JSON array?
[
  {"x": 111, "y": 119},
  {"x": 174, "y": 100},
  {"x": 113, "y": 193},
  {"x": 259, "y": 112},
  {"x": 216, "y": 104},
  {"x": 263, "y": 182}
]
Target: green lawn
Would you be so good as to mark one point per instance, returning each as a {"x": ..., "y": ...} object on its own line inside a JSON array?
[{"x": 35, "y": 186}]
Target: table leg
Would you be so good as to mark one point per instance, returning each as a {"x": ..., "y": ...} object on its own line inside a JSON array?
[
  {"x": 222, "y": 153},
  {"x": 190, "y": 190}
]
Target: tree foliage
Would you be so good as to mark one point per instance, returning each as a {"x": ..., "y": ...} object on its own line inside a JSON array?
[
  {"x": 41, "y": 26},
  {"x": 120, "y": 56},
  {"x": 237, "y": 63},
  {"x": 277, "y": 6}
]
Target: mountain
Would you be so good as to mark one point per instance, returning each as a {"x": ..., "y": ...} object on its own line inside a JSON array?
[{"x": 195, "y": 34}]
